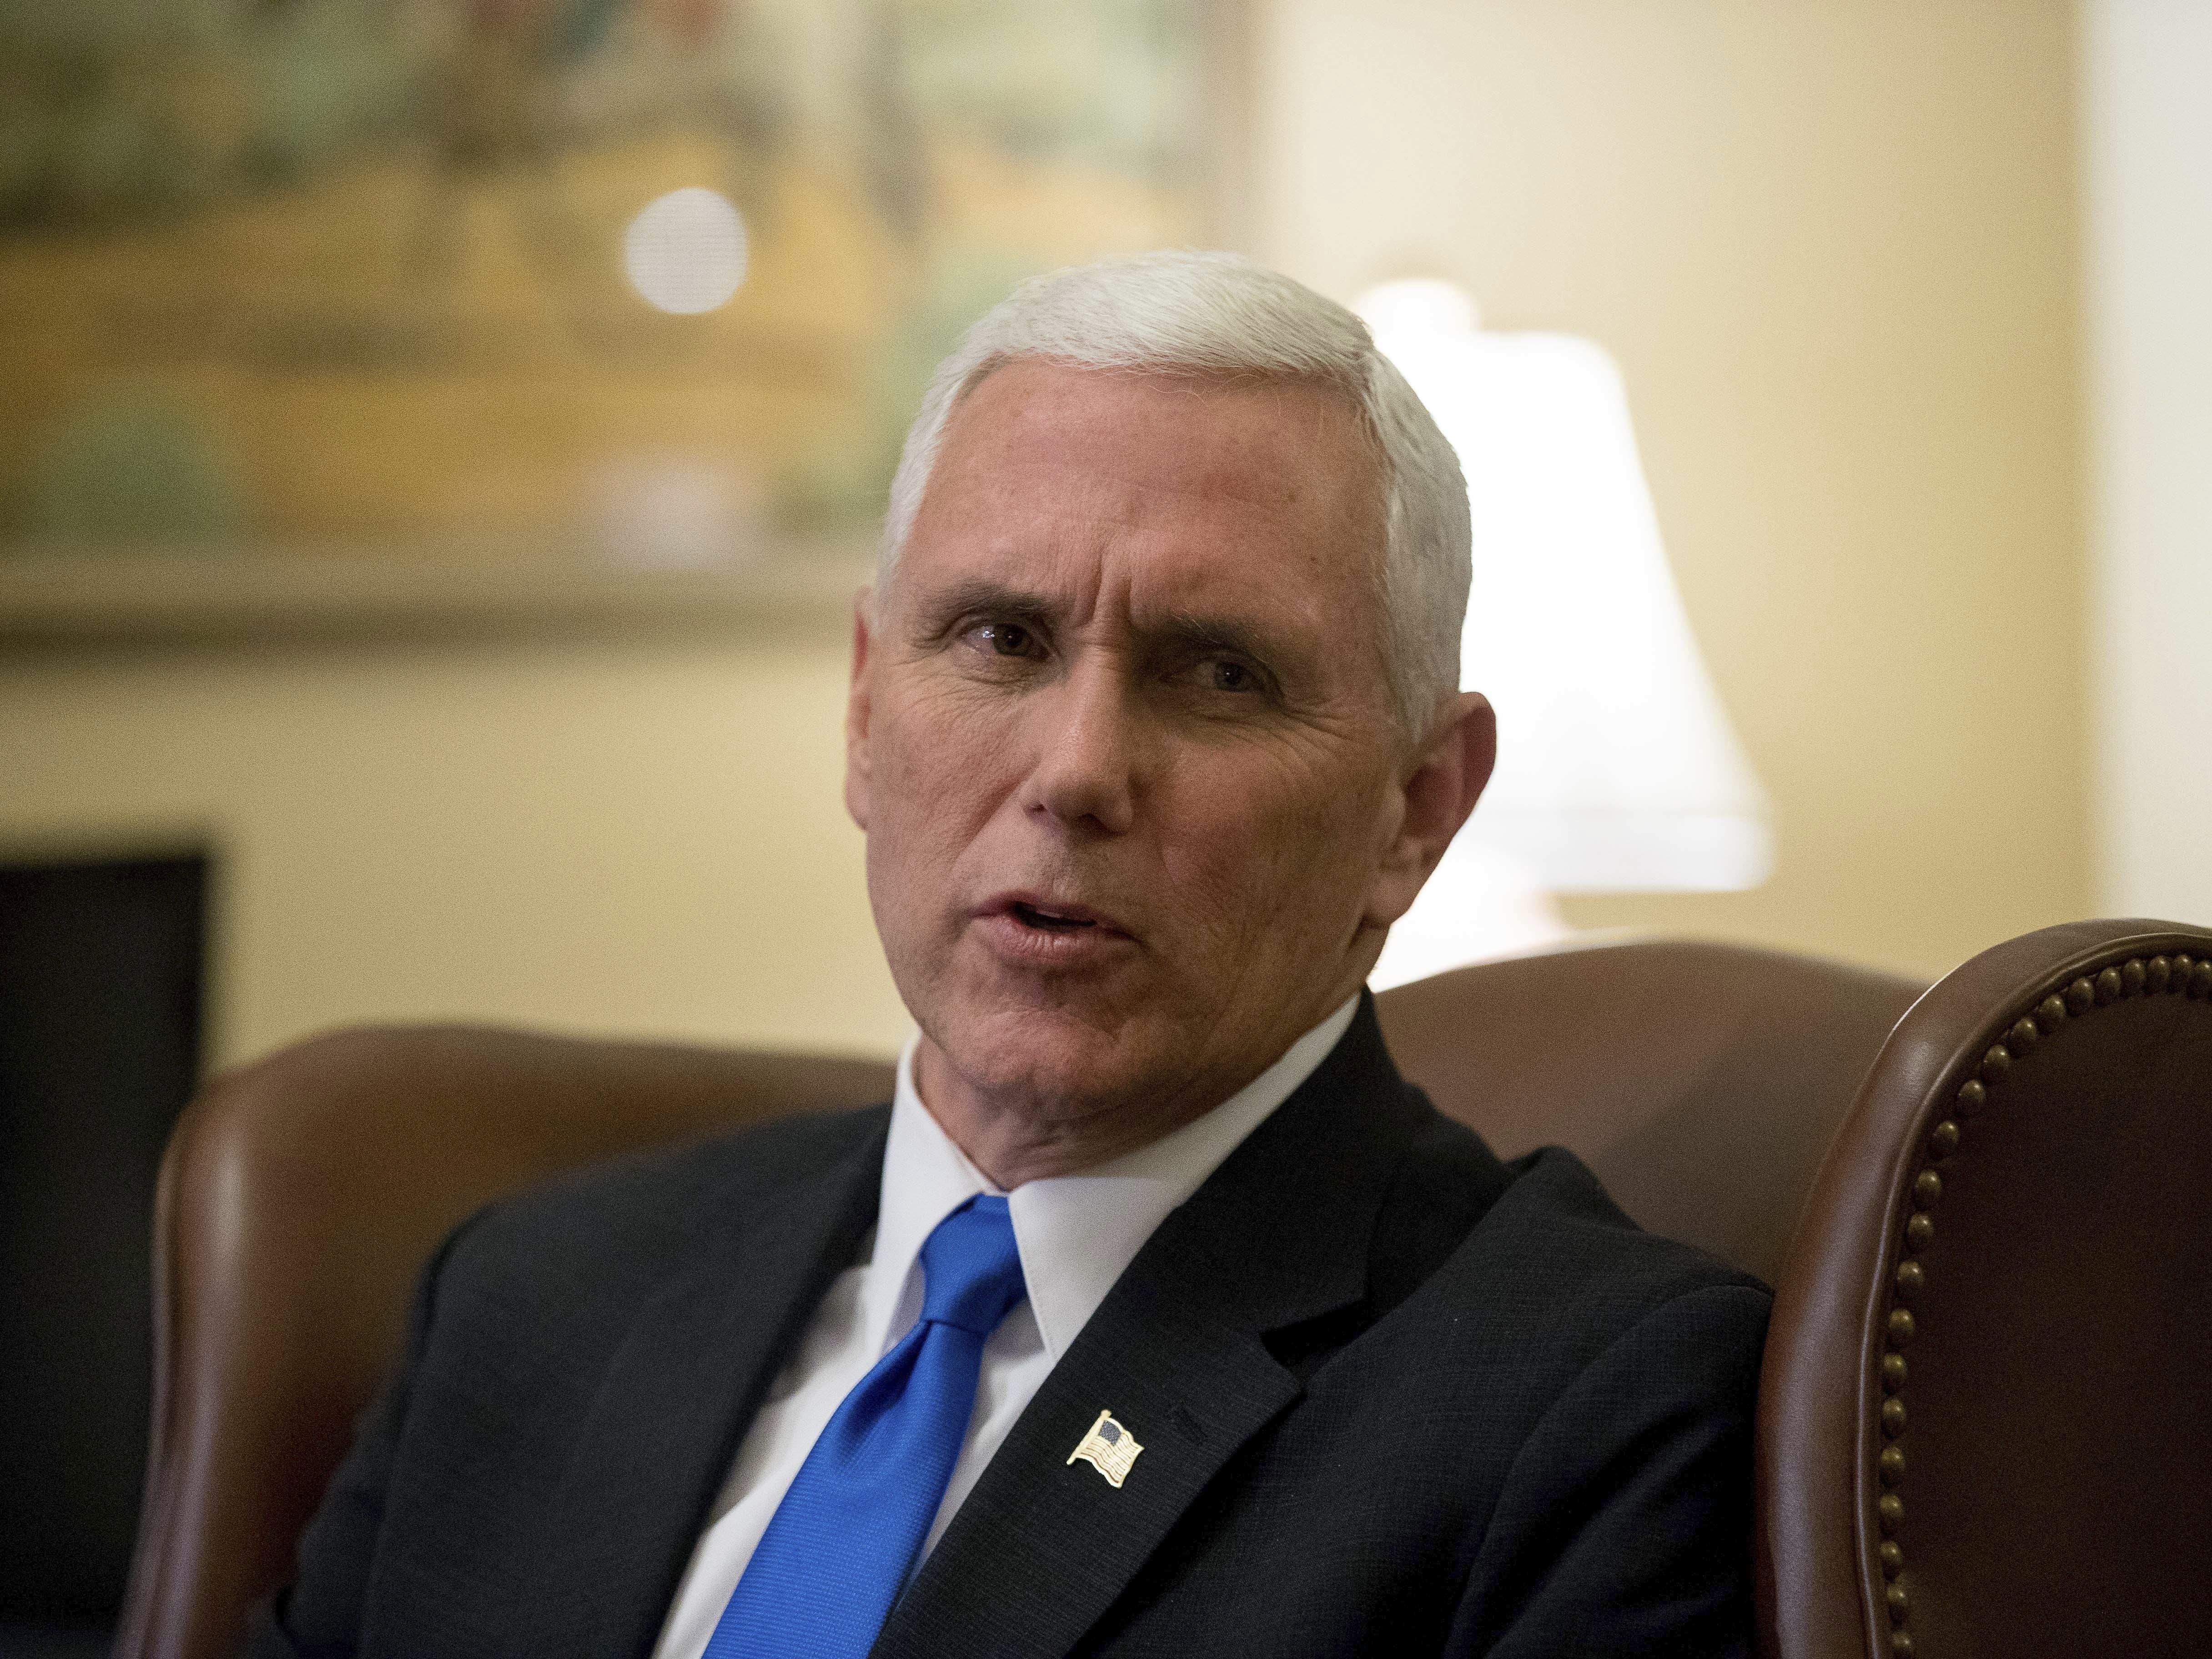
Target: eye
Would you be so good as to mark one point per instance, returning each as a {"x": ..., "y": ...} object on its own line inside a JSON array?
[
  {"x": 1006, "y": 639},
  {"x": 1227, "y": 676}
]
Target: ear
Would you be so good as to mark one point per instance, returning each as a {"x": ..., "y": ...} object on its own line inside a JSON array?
[
  {"x": 858, "y": 709},
  {"x": 1445, "y": 779}
]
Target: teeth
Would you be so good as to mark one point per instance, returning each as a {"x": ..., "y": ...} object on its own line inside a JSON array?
[{"x": 1038, "y": 918}]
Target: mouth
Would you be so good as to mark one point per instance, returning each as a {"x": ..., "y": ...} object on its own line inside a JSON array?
[
  {"x": 1056, "y": 917},
  {"x": 1042, "y": 915},
  {"x": 1031, "y": 916}
]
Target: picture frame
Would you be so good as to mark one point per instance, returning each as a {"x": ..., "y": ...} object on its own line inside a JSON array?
[{"x": 378, "y": 316}]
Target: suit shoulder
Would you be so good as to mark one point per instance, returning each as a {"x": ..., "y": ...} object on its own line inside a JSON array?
[
  {"x": 650, "y": 1206},
  {"x": 1557, "y": 1258}
]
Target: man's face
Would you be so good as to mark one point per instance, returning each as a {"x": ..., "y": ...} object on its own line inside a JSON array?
[{"x": 1122, "y": 743}]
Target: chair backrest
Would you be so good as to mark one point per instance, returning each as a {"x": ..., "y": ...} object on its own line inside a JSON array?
[
  {"x": 298, "y": 1201},
  {"x": 302, "y": 1195},
  {"x": 1701, "y": 1082},
  {"x": 1986, "y": 1412}
]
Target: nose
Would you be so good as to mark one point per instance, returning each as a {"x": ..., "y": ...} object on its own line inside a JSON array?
[{"x": 1083, "y": 776}]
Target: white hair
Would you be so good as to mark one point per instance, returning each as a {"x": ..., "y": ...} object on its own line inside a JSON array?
[{"x": 1221, "y": 313}]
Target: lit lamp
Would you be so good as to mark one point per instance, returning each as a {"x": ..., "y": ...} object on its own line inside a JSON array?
[{"x": 1618, "y": 770}]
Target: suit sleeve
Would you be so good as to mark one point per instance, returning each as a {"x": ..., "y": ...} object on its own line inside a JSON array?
[
  {"x": 1624, "y": 1526},
  {"x": 317, "y": 1616}
]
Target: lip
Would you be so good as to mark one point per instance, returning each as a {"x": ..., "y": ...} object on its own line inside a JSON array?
[
  {"x": 1094, "y": 935},
  {"x": 1015, "y": 900}
]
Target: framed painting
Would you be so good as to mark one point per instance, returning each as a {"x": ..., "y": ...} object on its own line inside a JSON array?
[{"x": 368, "y": 308}]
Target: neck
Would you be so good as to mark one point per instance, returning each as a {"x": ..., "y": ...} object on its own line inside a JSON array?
[
  {"x": 1016, "y": 1138},
  {"x": 1013, "y": 1142}
]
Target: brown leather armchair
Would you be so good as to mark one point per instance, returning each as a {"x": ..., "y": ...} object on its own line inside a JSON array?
[
  {"x": 1985, "y": 1417},
  {"x": 301, "y": 1196}
]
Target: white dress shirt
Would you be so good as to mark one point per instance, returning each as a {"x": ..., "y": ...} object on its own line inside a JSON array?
[{"x": 1076, "y": 1234}]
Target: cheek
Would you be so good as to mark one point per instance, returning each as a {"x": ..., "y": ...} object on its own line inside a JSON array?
[
  {"x": 941, "y": 766},
  {"x": 1261, "y": 847}
]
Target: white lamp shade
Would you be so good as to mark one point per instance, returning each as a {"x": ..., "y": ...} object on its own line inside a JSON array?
[{"x": 1618, "y": 770}]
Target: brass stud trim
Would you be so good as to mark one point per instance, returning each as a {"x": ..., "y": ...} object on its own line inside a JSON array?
[
  {"x": 1891, "y": 1465},
  {"x": 2179, "y": 973}
]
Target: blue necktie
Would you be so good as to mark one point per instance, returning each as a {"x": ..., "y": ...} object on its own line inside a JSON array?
[{"x": 841, "y": 1545}]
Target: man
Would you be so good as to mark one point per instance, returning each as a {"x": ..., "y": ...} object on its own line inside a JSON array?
[{"x": 1155, "y": 1314}]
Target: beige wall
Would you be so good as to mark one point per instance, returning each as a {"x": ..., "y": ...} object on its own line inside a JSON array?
[
  {"x": 1833, "y": 248},
  {"x": 605, "y": 838}
]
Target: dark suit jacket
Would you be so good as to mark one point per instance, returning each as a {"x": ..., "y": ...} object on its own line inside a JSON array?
[{"x": 1396, "y": 1397}]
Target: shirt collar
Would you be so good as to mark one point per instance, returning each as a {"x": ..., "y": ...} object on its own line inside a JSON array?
[{"x": 1076, "y": 1233}]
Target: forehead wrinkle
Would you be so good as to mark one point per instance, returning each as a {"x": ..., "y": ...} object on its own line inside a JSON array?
[
  {"x": 1062, "y": 498},
  {"x": 1128, "y": 494},
  {"x": 1238, "y": 469},
  {"x": 1064, "y": 577}
]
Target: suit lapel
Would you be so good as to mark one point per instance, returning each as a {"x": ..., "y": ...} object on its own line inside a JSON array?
[
  {"x": 678, "y": 1393},
  {"x": 1279, "y": 1235}
]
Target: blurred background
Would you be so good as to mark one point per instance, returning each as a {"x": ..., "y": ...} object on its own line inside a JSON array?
[{"x": 440, "y": 441}]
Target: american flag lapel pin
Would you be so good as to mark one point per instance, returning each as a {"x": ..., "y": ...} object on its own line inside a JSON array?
[{"x": 1108, "y": 1448}]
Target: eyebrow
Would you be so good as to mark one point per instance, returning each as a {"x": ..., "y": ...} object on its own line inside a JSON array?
[
  {"x": 1196, "y": 632},
  {"x": 980, "y": 596},
  {"x": 1183, "y": 630}
]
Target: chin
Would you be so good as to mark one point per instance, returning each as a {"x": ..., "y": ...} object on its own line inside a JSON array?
[{"x": 1062, "y": 1063}]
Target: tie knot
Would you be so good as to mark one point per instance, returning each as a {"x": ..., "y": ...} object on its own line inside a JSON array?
[{"x": 972, "y": 1269}]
